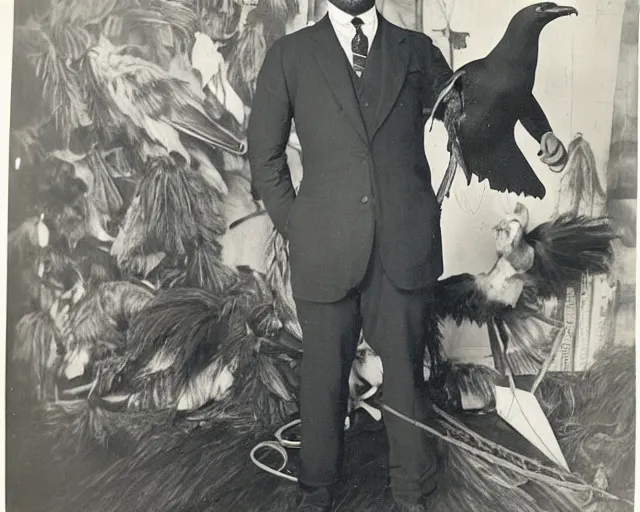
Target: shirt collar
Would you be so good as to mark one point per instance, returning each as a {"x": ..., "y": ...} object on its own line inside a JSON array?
[{"x": 340, "y": 17}]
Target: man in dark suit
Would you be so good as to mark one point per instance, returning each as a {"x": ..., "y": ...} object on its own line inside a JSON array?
[{"x": 363, "y": 229}]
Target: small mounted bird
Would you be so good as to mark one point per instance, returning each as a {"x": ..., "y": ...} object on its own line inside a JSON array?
[{"x": 484, "y": 99}]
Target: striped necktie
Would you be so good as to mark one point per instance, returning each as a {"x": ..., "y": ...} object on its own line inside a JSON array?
[{"x": 359, "y": 47}]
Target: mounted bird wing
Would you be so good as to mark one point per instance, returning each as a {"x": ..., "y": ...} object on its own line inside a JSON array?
[{"x": 502, "y": 163}]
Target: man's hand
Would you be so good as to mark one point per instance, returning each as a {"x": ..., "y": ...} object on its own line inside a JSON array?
[
  {"x": 552, "y": 152},
  {"x": 268, "y": 134}
]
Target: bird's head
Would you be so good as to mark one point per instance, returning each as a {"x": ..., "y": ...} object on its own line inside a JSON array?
[
  {"x": 541, "y": 14},
  {"x": 520, "y": 41},
  {"x": 510, "y": 230}
]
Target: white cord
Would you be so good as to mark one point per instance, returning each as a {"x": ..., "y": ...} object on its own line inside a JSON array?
[
  {"x": 277, "y": 447},
  {"x": 285, "y": 442}
]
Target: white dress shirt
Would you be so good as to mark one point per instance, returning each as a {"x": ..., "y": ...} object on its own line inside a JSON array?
[{"x": 345, "y": 30}]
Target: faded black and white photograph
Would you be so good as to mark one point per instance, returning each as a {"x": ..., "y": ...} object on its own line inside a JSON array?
[{"x": 322, "y": 256}]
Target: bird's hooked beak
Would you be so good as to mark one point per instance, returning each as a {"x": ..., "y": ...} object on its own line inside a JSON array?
[{"x": 556, "y": 11}]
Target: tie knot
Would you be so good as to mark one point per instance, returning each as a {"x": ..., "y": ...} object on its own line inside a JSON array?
[{"x": 357, "y": 22}]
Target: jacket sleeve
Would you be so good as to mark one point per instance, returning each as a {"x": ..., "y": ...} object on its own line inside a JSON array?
[
  {"x": 439, "y": 71},
  {"x": 268, "y": 133},
  {"x": 535, "y": 121}
]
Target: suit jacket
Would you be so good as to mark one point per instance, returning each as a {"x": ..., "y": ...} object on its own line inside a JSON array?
[{"x": 356, "y": 184}]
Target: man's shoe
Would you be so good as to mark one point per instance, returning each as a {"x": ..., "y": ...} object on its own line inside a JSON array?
[
  {"x": 316, "y": 499},
  {"x": 307, "y": 506}
]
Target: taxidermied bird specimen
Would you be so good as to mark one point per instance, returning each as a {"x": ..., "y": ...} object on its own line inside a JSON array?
[
  {"x": 485, "y": 99},
  {"x": 137, "y": 96}
]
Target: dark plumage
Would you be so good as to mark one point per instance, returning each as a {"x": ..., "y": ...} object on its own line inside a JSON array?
[
  {"x": 460, "y": 299},
  {"x": 190, "y": 347},
  {"x": 181, "y": 330},
  {"x": 494, "y": 93},
  {"x": 594, "y": 414},
  {"x": 564, "y": 249},
  {"x": 452, "y": 380}
]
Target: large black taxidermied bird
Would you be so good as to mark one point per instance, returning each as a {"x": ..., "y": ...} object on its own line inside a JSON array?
[{"x": 485, "y": 98}]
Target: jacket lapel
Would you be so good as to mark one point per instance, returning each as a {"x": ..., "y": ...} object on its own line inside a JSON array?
[
  {"x": 394, "y": 52},
  {"x": 332, "y": 62}
]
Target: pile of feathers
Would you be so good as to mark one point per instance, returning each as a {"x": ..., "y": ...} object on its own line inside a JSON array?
[{"x": 122, "y": 183}]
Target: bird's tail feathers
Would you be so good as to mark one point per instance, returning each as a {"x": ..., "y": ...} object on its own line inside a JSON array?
[{"x": 566, "y": 248}]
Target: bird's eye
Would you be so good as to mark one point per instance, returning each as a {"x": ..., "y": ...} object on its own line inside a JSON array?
[{"x": 544, "y": 7}]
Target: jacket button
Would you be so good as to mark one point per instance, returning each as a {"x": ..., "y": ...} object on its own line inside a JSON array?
[{"x": 364, "y": 200}]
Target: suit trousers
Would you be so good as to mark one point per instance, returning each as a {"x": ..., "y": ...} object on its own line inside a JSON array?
[{"x": 395, "y": 323}]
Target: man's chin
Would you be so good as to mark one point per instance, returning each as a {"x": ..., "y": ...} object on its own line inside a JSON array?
[{"x": 353, "y": 7}]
